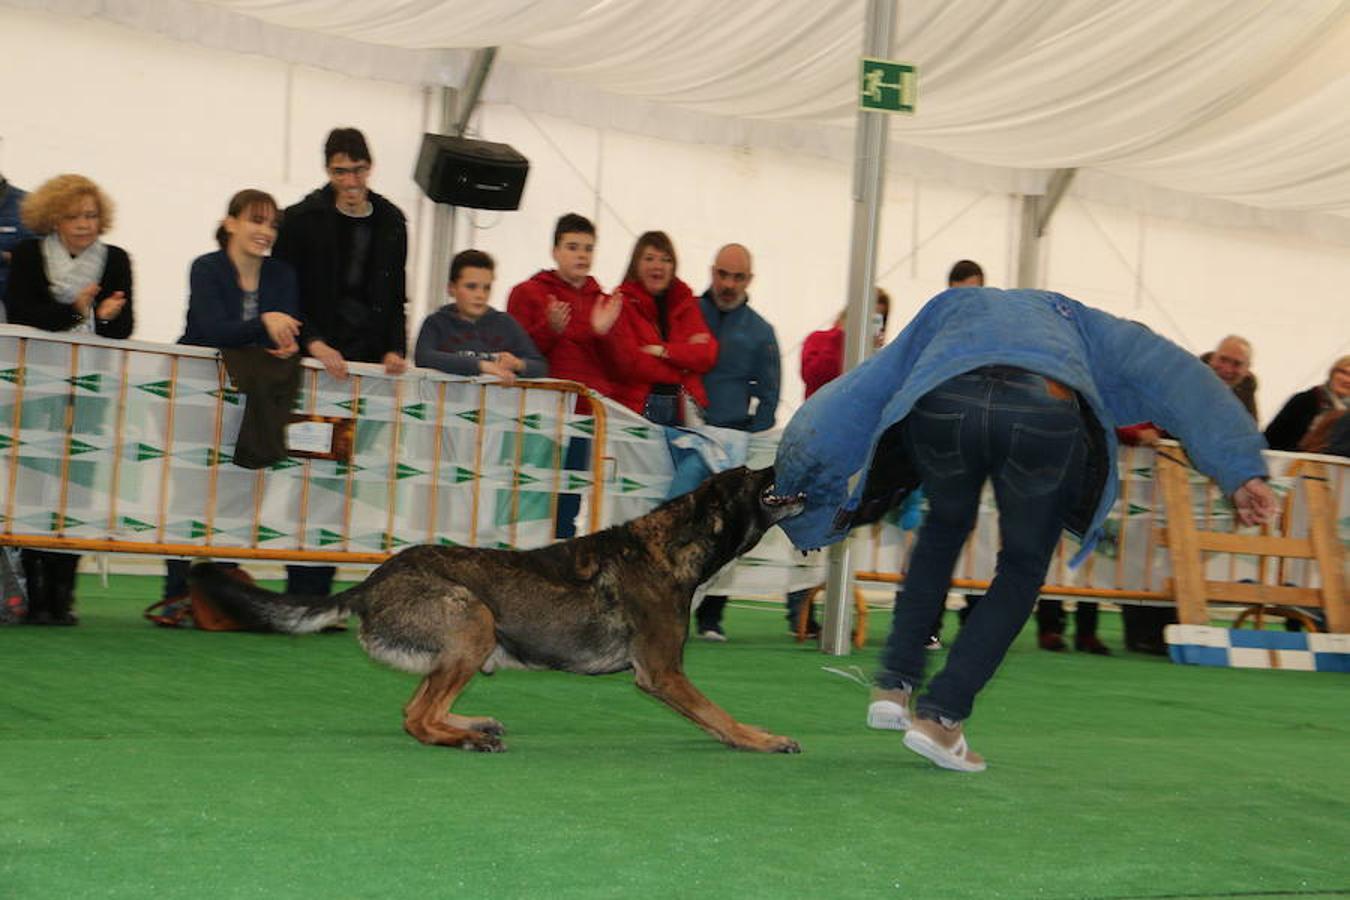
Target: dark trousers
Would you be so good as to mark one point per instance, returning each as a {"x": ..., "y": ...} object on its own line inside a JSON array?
[
  {"x": 1050, "y": 618},
  {"x": 50, "y": 579},
  {"x": 312, "y": 581},
  {"x": 1144, "y": 627},
  {"x": 176, "y": 576},
  {"x": 994, "y": 424},
  {"x": 708, "y": 616},
  {"x": 576, "y": 458}
]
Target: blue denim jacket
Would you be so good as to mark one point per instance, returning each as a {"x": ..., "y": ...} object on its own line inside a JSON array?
[
  {"x": 1123, "y": 371},
  {"x": 12, "y": 230}
]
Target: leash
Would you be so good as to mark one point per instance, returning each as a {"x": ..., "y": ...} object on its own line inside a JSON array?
[{"x": 852, "y": 673}]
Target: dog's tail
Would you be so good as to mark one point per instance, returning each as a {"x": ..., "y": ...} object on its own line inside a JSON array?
[{"x": 255, "y": 608}]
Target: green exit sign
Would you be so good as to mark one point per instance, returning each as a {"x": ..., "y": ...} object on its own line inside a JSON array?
[{"x": 887, "y": 86}]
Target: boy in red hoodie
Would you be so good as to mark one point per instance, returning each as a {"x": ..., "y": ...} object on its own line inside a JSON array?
[{"x": 568, "y": 316}]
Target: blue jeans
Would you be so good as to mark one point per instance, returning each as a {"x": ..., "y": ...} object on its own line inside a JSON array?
[
  {"x": 1002, "y": 425},
  {"x": 576, "y": 458}
]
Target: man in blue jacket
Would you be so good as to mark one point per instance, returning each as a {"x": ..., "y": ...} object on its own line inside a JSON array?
[
  {"x": 743, "y": 384},
  {"x": 1024, "y": 389}
]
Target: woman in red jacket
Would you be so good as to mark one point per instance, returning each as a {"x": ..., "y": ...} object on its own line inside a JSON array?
[{"x": 661, "y": 344}]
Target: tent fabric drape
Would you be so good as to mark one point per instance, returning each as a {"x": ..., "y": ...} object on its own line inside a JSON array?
[{"x": 1240, "y": 101}]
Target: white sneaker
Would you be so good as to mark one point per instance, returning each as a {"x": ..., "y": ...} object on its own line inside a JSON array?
[
  {"x": 711, "y": 635},
  {"x": 945, "y": 747},
  {"x": 889, "y": 710}
]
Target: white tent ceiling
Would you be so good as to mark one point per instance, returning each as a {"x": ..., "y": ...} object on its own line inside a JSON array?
[{"x": 1162, "y": 105}]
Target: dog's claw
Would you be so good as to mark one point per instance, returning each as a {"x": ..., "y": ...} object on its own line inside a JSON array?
[{"x": 482, "y": 742}]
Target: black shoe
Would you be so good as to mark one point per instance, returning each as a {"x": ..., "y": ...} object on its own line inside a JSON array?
[
  {"x": 1092, "y": 645},
  {"x": 38, "y": 616}
]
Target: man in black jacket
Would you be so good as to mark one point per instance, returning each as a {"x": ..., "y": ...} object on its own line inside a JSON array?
[{"x": 349, "y": 247}]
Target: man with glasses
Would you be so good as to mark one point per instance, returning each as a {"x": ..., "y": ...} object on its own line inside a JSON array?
[
  {"x": 349, "y": 247},
  {"x": 743, "y": 385}
]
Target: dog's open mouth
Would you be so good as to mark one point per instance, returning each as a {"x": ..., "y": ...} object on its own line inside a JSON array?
[{"x": 781, "y": 506}]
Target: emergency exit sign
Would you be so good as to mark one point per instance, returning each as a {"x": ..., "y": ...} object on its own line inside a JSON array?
[{"x": 887, "y": 86}]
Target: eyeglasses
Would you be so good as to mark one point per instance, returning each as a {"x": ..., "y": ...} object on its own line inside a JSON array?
[{"x": 360, "y": 171}]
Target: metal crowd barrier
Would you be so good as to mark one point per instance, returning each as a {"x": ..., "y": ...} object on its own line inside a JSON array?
[{"x": 127, "y": 447}]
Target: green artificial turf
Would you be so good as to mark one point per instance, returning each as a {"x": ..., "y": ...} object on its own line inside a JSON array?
[{"x": 142, "y": 762}]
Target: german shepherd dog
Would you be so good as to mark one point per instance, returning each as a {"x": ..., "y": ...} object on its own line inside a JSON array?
[{"x": 614, "y": 600}]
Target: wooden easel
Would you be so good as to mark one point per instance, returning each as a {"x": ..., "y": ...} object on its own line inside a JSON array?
[{"x": 1192, "y": 590}]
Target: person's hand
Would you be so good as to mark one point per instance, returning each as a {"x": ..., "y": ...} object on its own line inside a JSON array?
[
  {"x": 701, "y": 338},
  {"x": 508, "y": 360},
  {"x": 110, "y": 307},
  {"x": 492, "y": 367},
  {"x": 658, "y": 350},
  {"x": 84, "y": 299},
  {"x": 1255, "y": 502},
  {"x": 283, "y": 352},
  {"x": 332, "y": 361},
  {"x": 606, "y": 312},
  {"x": 559, "y": 314},
  {"x": 282, "y": 330},
  {"x": 1148, "y": 437},
  {"x": 394, "y": 363}
]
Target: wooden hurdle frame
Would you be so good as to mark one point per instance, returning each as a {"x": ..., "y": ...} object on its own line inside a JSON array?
[{"x": 1187, "y": 544}]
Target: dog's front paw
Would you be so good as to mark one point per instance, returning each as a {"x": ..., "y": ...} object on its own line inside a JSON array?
[
  {"x": 482, "y": 742},
  {"x": 764, "y": 742},
  {"x": 489, "y": 726}
]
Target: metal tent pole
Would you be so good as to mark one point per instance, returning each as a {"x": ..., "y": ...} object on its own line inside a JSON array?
[
  {"x": 1036, "y": 213},
  {"x": 456, "y": 108},
  {"x": 869, "y": 173}
]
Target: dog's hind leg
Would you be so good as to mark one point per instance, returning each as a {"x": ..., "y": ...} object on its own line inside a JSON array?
[
  {"x": 427, "y": 715},
  {"x": 673, "y": 688}
]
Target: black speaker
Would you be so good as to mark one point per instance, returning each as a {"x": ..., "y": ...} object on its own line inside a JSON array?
[{"x": 476, "y": 174}]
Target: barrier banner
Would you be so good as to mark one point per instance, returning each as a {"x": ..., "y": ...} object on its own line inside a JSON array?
[{"x": 127, "y": 446}]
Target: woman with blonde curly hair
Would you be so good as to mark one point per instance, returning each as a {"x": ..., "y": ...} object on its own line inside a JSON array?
[
  {"x": 1303, "y": 410},
  {"x": 69, "y": 279},
  {"x": 66, "y": 280}
]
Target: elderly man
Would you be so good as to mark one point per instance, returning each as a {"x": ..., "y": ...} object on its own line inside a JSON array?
[
  {"x": 1232, "y": 362},
  {"x": 743, "y": 385},
  {"x": 1023, "y": 389}
]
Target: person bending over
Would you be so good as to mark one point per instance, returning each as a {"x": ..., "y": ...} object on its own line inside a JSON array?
[{"x": 1022, "y": 389}]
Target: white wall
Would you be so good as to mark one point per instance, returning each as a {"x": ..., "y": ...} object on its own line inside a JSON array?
[{"x": 171, "y": 130}]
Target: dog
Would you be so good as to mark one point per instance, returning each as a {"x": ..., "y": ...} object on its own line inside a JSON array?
[{"x": 607, "y": 602}]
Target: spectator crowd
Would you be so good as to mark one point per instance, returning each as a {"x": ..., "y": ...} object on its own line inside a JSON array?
[{"x": 325, "y": 278}]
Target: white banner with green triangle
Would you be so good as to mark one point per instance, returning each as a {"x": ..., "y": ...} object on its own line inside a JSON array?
[{"x": 131, "y": 442}]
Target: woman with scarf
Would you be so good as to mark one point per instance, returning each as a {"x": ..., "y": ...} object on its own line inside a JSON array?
[
  {"x": 66, "y": 280},
  {"x": 1298, "y": 415}
]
